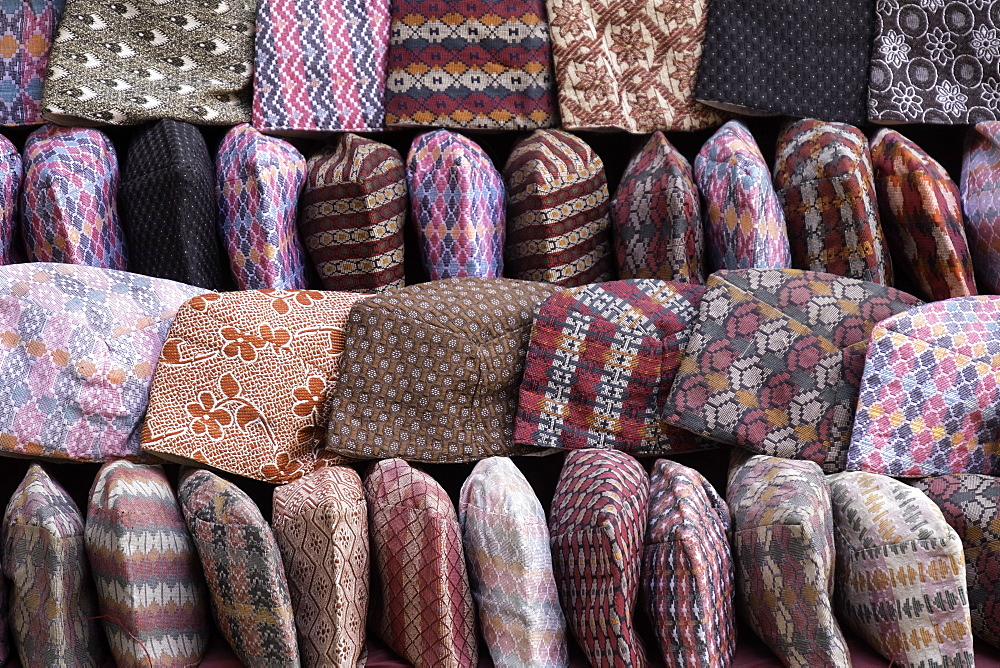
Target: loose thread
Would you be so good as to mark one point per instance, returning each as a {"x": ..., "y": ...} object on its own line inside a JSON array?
[{"x": 124, "y": 628}]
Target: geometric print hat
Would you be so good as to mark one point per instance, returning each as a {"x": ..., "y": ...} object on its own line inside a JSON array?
[
  {"x": 29, "y": 28},
  {"x": 981, "y": 201},
  {"x": 10, "y": 192}
]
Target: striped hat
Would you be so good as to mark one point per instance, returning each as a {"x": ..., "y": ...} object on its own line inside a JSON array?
[
  {"x": 11, "y": 250},
  {"x": 29, "y": 28},
  {"x": 981, "y": 201}
]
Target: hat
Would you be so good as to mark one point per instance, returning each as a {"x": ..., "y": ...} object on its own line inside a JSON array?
[
  {"x": 320, "y": 66},
  {"x": 146, "y": 569},
  {"x": 744, "y": 222},
  {"x": 352, "y": 212},
  {"x": 168, "y": 206},
  {"x": 824, "y": 180},
  {"x": 657, "y": 217},
  {"x": 981, "y": 202},
  {"x": 29, "y": 30},
  {"x": 431, "y": 372},
  {"x": 900, "y": 572},
  {"x": 600, "y": 363},
  {"x": 78, "y": 346},
  {"x": 244, "y": 382},
  {"x": 783, "y": 546},
  {"x": 922, "y": 216},
  {"x": 427, "y": 613},
  {"x": 10, "y": 191},
  {"x": 321, "y": 525},
  {"x": 510, "y": 567},
  {"x": 457, "y": 200},
  {"x": 557, "y": 199},
  {"x": 69, "y": 202},
  {"x": 774, "y": 361}
]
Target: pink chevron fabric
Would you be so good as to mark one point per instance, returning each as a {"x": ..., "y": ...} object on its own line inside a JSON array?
[
  {"x": 258, "y": 181},
  {"x": 10, "y": 192},
  {"x": 981, "y": 201}
]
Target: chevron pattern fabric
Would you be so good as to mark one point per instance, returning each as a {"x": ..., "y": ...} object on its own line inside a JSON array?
[
  {"x": 27, "y": 30},
  {"x": 11, "y": 167},
  {"x": 981, "y": 201}
]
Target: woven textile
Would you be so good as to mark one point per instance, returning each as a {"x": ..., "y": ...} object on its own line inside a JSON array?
[
  {"x": 559, "y": 229},
  {"x": 321, "y": 525},
  {"x": 258, "y": 182},
  {"x": 458, "y": 205},
  {"x": 930, "y": 393},
  {"x": 52, "y": 603},
  {"x": 320, "y": 65},
  {"x": 971, "y": 505},
  {"x": 243, "y": 568},
  {"x": 146, "y": 569},
  {"x": 922, "y": 216},
  {"x": 935, "y": 62},
  {"x": 981, "y": 202},
  {"x": 244, "y": 380},
  {"x": 10, "y": 192},
  {"x": 431, "y": 372},
  {"x": 775, "y": 360},
  {"x": 28, "y": 29},
  {"x": 744, "y": 221},
  {"x": 900, "y": 572},
  {"x": 352, "y": 212},
  {"x": 600, "y": 363},
  {"x": 168, "y": 207},
  {"x": 687, "y": 569},
  {"x": 78, "y": 347},
  {"x": 657, "y": 217},
  {"x": 784, "y": 553},
  {"x": 427, "y": 613},
  {"x": 69, "y": 203},
  {"x": 824, "y": 179},
  {"x": 597, "y": 521},
  {"x": 484, "y": 64}
]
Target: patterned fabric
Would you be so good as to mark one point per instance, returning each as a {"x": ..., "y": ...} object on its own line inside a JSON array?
[
  {"x": 971, "y": 505},
  {"x": 930, "y": 393},
  {"x": 597, "y": 521},
  {"x": 483, "y": 64},
  {"x": 427, "y": 613},
  {"x": 824, "y": 178},
  {"x": 775, "y": 360},
  {"x": 244, "y": 380},
  {"x": 321, "y": 524},
  {"x": 52, "y": 604},
  {"x": 981, "y": 201},
  {"x": 687, "y": 569},
  {"x": 935, "y": 62},
  {"x": 146, "y": 569},
  {"x": 458, "y": 206},
  {"x": 123, "y": 63},
  {"x": 168, "y": 206},
  {"x": 69, "y": 203},
  {"x": 27, "y": 29},
  {"x": 922, "y": 216},
  {"x": 657, "y": 217},
  {"x": 557, "y": 199},
  {"x": 600, "y": 363},
  {"x": 243, "y": 568},
  {"x": 744, "y": 221},
  {"x": 900, "y": 572},
  {"x": 353, "y": 209},
  {"x": 320, "y": 65},
  {"x": 784, "y": 553},
  {"x": 259, "y": 179},
  {"x": 431, "y": 372},
  {"x": 78, "y": 347},
  {"x": 10, "y": 191}
]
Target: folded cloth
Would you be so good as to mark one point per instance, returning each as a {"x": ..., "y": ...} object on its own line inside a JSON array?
[
  {"x": 11, "y": 167},
  {"x": 981, "y": 202}
]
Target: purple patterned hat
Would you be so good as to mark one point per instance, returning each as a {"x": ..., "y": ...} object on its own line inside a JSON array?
[{"x": 28, "y": 29}]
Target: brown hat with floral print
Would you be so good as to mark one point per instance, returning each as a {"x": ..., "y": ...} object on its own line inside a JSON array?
[{"x": 244, "y": 379}]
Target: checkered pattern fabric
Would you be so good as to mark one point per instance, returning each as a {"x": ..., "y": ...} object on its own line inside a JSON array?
[{"x": 981, "y": 202}]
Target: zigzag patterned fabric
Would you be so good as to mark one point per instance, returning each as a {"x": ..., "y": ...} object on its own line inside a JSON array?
[
  {"x": 458, "y": 205},
  {"x": 981, "y": 201},
  {"x": 69, "y": 202},
  {"x": 27, "y": 30},
  {"x": 320, "y": 66},
  {"x": 146, "y": 569},
  {"x": 321, "y": 525},
  {"x": 510, "y": 563},
  {"x": 11, "y": 250},
  {"x": 921, "y": 211},
  {"x": 930, "y": 395},
  {"x": 687, "y": 569},
  {"x": 559, "y": 227},
  {"x": 824, "y": 178},
  {"x": 476, "y": 64},
  {"x": 596, "y": 525},
  {"x": 900, "y": 572},
  {"x": 657, "y": 217},
  {"x": 258, "y": 181},
  {"x": 784, "y": 553}
]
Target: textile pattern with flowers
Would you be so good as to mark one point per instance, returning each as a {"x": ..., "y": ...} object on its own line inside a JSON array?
[
  {"x": 986, "y": 42},
  {"x": 940, "y": 46},
  {"x": 310, "y": 397},
  {"x": 894, "y": 48},
  {"x": 594, "y": 81},
  {"x": 240, "y": 344},
  {"x": 629, "y": 44},
  {"x": 991, "y": 93},
  {"x": 951, "y": 98},
  {"x": 905, "y": 99},
  {"x": 209, "y": 416},
  {"x": 570, "y": 21}
]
